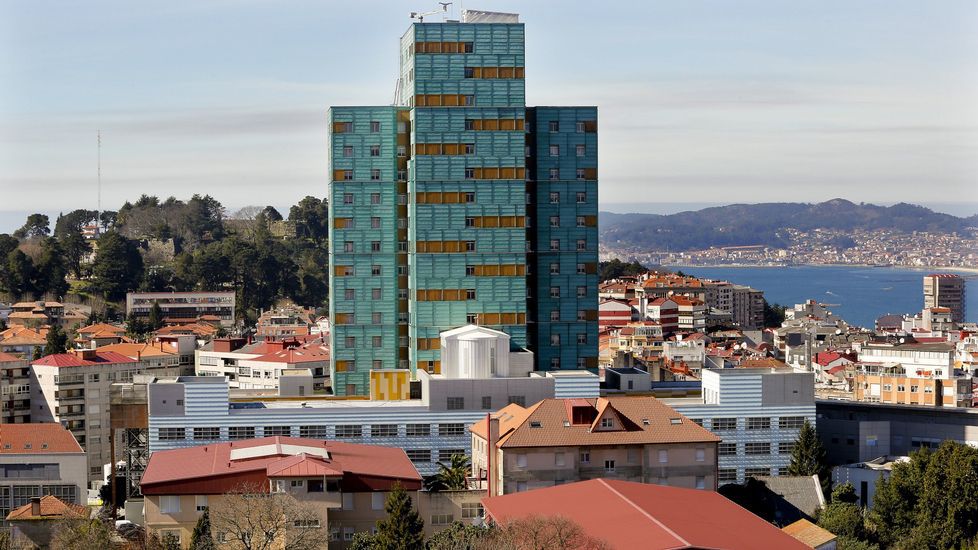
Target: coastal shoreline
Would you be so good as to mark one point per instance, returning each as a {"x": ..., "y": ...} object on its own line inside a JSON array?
[{"x": 929, "y": 269}]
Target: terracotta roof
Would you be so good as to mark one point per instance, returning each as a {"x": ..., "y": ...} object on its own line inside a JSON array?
[
  {"x": 217, "y": 460},
  {"x": 304, "y": 354},
  {"x": 77, "y": 360},
  {"x": 628, "y": 515},
  {"x": 37, "y": 438},
  {"x": 7, "y": 358},
  {"x": 762, "y": 363},
  {"x": 139, "y": 349},
  {"x": 51, "y": 508},
  {"x": 808, "y": 533},
  {"x": 101, "y": 328},
  {"x": 550, "y": 423},
  {"x": 301, "y": 465},
  {"x": 199, "y": 329}
]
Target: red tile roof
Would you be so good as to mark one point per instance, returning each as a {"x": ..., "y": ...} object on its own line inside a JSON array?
[
  {"x": 550, "y": 423},
  {"x": 7, "y": 358},
  {"x": 205, "y": 467},
  {"x": 76, "y": 359},
  {"x": 630, "y": 515},
  {"x": 36, "y": 438},
  {"x": 304, "y": 354},
  {"x": 51, "y": 508},
  {"x": 103, "y": 328}
]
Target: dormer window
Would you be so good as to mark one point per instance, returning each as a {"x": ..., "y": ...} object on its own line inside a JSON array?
[
  {"x": 535, "y": 424},
  {"x": 675, "y": 420},
  {"x": 607, "y": 423}
]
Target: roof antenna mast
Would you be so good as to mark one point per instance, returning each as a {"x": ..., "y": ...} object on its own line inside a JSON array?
[
  {"x": 420, "y": 16},
  {"x": 98, "y": 206}
]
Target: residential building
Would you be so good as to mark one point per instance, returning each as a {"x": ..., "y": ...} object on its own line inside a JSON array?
[
  {"x": 15, "y": 390},
  {"x": 184, "y": 307},
  {"x": 73, "y": 389},
  {"x": 260, "y": 365},
  {"x": 946, "y": 290},
  {"x": 627, "y": 515},
  {"x": 757, "y": 412},
  {"x": 34, "y": 524},
  {"x": 691, "y": 313},
  {"x": 344, "y": 484},
  {"x": 615, "y": 313},
  {"x": 23, "y": 341},
  {"x": 663, "y": 311},
  {"x": 811, "y": 535},
  {"x": 36, "y": 314},
  {"x": 284, "y": 323},
  {"x": 912, "y": 374},
  {"x": 455, "y": 205},
  {"x": 853, "y": 431},
  {"x": 40, "y": 459},
  {"x": 748, "y": 307},
  {"x": 562, "y": 440},
  {"x": 99, "y": 334},
  {"x": 864, "y": 475}
]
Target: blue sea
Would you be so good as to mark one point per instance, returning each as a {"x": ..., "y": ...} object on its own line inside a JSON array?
[{"x": 863, "y": 293}]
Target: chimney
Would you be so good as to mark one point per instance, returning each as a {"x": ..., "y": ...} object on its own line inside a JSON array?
[
  {"x": 35, "y": 506},
  {"x": 492, "y": 454}
]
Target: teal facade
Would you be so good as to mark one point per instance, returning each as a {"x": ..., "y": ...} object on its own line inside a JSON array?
[{"x": 465, "y": 214}]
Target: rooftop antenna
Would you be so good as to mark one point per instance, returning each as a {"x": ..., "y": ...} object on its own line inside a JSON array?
[
  {"x": 420, "y": 16},
  {"x": 98, "y": 207}
]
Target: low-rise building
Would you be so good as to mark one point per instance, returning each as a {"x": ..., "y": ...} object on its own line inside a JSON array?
[
  {"x": 34, "y": 314},
  {"x": 757, "y": 412},
  {"x": 73, "y": 389},
  {"x": 40, "y": 459},
  {"x": 558, "y": 441},
  {"x": 34, "y": 524},
  {"x": 23, "y": 341},
  {"x": 260, "y": 365},
  {"x": 183, "y": 307},
  {"x": 626, "y": 515},
  {"x": 284, "y": 323},
  {"x": 345, "y": 485}
]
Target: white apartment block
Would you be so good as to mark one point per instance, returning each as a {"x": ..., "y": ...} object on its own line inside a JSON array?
[
  {"x": 73, "y": 389},
  {"x": 758, "y": 413},
  {"x": 260, "y": 366},
  {"x": 917, "y": 360}
]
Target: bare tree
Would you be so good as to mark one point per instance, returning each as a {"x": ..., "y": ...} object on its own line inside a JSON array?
[
  {"x": 250, "y": 518},
  {"x": 81, "y": 533},
  {"x": 540, "y": 533}
]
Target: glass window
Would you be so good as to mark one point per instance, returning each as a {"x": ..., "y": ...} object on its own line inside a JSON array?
[
  {"x": 580, "y": 150},
  {"x": 374, "y": 126},
  {"x": 375, "y": 174},
  {"x": 349, "y": 430},
  {"x": 455, "y": 403},
  {"x": 375, "y": 150},
  {"x": 383, "y": 430},
  {"x": 554, "y": 126},
  {"x": 555, "y": 150},
  {"x": 758, "y": 423}
]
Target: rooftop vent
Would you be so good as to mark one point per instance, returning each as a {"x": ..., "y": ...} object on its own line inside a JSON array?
[
  {"x": 567, "y": 423},
  {"x": 535, "y": 424},
  {"x": 645, "y": 421}
]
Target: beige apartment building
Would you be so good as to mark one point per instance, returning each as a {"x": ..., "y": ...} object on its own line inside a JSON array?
[
  {"x": 900, "y": 389},
  {"x": 559, "y": 441},
  {"x": 73, "y": 389}
]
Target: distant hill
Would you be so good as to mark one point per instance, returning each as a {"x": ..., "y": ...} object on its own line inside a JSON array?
[{"x": 764, "y": 224}]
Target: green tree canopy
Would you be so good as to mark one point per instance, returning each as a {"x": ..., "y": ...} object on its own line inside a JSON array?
[
  {"x": 311, "y": 217},
  {"x": 403, "y": 528},
  {"x": 37, "y": 225},
  {"x": 57, "y": 340},
  {"x": 451, "y": 476},
  {"x": 202, "y": 539},
  {"x": 842, "y": 516},
  {"x": 118, "y": 266},
  {"x": 808, "y": 457}
]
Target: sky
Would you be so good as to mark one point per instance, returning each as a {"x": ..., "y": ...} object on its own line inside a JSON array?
[{"x": 699, "y": 101}]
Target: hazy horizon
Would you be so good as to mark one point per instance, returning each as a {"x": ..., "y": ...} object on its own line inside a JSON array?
[{"x": 11, "y": 220}]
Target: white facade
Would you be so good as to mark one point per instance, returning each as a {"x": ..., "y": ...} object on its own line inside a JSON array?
[
  {"x": 190, "y": 411},
  {"x": 917, "y": 360},
  {"x": 757, "y": 412},
  {"x": 78, "y": 398},
  {"x": 479, "y": 352}
]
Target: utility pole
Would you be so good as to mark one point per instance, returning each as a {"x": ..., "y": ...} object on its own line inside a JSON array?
[{"x": 98, "y": 208}]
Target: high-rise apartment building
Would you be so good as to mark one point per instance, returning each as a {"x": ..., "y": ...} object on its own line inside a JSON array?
[
  {"x": 945, "y": 290},
  {"x": 459, "y": 205}
]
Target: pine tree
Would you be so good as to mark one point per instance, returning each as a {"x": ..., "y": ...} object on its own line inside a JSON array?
[
  {"x": 808, "y": 457},
  {"x": 403, "y": 528},
  {"x": 155, "y": 317},
  {"x": 201, "y": 538},
  {"x": 57, "y": 341}
]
